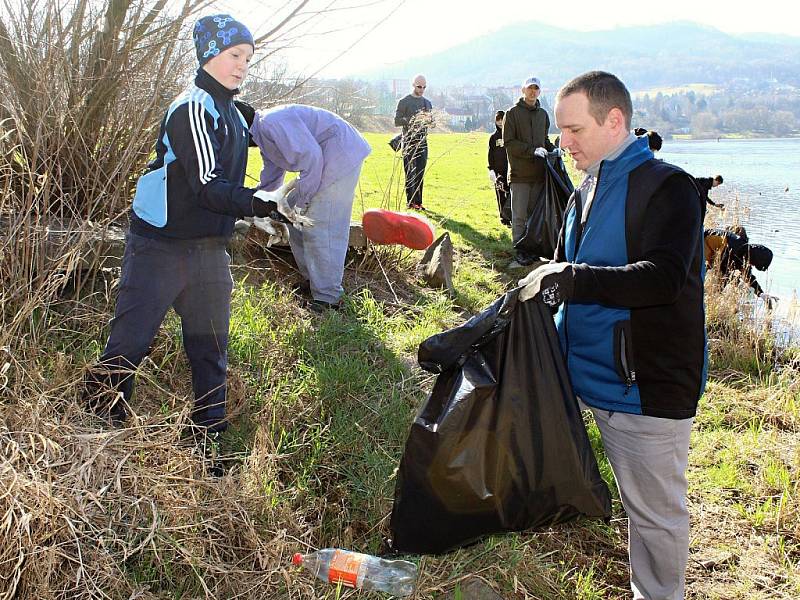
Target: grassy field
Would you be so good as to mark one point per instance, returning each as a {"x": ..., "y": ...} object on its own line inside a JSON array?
[{"x": 321, "y": 406}]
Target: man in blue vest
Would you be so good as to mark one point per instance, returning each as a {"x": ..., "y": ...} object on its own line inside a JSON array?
[{"x": 628, "y": 280}]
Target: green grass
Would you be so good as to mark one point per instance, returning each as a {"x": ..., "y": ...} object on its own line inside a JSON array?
[
  {"x": 357, "y": 367},
  {"x": 321, "y": 407}
]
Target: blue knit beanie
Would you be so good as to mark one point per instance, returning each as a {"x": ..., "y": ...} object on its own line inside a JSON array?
[{"x": 215, "y": 33}]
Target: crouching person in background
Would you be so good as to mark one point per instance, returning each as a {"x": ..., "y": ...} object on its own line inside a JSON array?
[
  {"x": 328, "y": 153},
  {"x": 182, "y": 218}
]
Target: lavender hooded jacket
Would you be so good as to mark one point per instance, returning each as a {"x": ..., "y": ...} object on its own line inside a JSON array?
[{"x": 318, "y": 144}]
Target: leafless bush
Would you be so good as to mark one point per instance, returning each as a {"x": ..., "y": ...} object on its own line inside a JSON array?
[{"x": 82, "y": 86}]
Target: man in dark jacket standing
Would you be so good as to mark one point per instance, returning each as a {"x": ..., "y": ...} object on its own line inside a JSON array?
[
  {"x": 628, "y": 276},
  {"x": 413, "y": 114},
  {"x": 498, "y": 169},
  {"x": 705, "y": 184},
  {"x": 525, "y": 139}
]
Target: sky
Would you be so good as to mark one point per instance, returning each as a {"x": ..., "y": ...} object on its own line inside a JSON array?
[{"x": 366, "y": 34}]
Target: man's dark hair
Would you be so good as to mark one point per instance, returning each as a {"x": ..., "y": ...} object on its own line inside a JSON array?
[
  {"x": 740, "y": 231},
  {"x": 604, "y": 91},
  {"x": 718, "y": 178}
]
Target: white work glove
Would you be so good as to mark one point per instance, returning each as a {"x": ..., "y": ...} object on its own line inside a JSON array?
[
  {"x": 277, "y": 232},
  {"x": 540, "y": 152},
  {"x": 492, "y": 176},
  {"x": 555, "y": 281},
  {"x": 769, "y": 300},
  {"x": 279, "y": 196}
]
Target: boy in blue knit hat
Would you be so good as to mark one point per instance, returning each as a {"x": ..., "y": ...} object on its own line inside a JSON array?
[{"x": 182, "y": 217}]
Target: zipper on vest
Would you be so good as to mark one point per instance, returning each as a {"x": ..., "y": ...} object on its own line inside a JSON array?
[
  {"x": 580, "y": 216},
  {"x": 630, "y": 374}
]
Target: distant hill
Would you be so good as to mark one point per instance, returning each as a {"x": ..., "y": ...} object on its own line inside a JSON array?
[{"x": 644, "y": 57}]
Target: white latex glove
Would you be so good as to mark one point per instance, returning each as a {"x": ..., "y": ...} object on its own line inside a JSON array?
[
  {"x": 278, "y": 232},
  {"x": 492, "y": 176},
  {"x": 540, "y": 152},
  {"x": 557, "y": 277}
]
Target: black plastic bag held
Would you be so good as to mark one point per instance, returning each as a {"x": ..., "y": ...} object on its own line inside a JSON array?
[
  {"x": 500, "y": 444},
  {"x": 547, "y": 213}
]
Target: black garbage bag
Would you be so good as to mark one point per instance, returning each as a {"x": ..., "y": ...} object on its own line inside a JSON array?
[
  {"x": 547, "y": 215},
  {"x": 500, "y": 444},
  {"x": 396, "y": 142}
]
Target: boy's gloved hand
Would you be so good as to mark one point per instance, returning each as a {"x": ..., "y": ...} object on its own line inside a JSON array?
[
  {"x": 283, "y": 212},
  {"x": 555, "y": 281},
  {"x": 492, "y": 176}
]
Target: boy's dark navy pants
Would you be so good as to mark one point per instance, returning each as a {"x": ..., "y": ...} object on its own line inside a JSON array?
[{"x": 193, "y": 277}]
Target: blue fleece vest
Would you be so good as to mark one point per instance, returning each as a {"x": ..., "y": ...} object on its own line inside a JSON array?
[{"x": 596, "y": 338}]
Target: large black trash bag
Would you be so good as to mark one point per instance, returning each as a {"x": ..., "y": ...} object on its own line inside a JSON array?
[
  {"x": 500, "y": 444},
  {"x": 544, "y": 222}
]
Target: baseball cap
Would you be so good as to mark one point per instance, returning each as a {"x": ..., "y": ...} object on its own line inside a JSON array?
[{"x": 532, "y": 81}]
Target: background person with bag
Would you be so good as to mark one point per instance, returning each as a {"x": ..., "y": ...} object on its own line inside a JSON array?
[
  {"x": 498, "y": 169},
  {"x": 525, "y": 128}
]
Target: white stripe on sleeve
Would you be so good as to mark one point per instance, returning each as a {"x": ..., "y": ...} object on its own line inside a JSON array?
[{"x": 202, "y": 143}]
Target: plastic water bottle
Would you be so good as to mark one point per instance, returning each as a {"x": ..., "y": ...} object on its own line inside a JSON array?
[{"x": 360, "y": 571}]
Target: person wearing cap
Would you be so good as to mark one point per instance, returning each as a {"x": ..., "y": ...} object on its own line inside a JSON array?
[
  {"x": 183, "y": 215},
  {"x": 498, "y": 169},
  {"x": 414, "y": 115},
  {"x": 730, "y": 252},
  {"x": 525, "y": 129}
]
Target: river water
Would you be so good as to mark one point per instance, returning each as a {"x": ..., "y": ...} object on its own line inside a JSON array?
[{"x": 761, "y": 192}]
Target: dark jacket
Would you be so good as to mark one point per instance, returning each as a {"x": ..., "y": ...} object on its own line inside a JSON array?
[
  {"x": 633, "y": 333},
  {"x": 730, "y": 253},
  {"x": 193, "y": 187},
  {"x": 407, "y": 108},
  {"x": 525, "y": 129},
  {"x": 704, "y": 184},
  {"x": 498, "y": 159}
]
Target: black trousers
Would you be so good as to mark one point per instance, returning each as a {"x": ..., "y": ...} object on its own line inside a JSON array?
[
  {"x": 503, "y": 193},
  {"x": 193, "y": 277},
  {"x": 414, "y": 161}
]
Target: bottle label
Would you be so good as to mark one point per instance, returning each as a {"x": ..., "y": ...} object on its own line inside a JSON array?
[{"x": 345, "y": 567}]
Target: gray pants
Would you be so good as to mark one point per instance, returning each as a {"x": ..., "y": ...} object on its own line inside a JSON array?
[
  {"x": 320, "y": 251},
  {"x": 523, "y": 200},
  {"x": 649, "y": 457}
]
